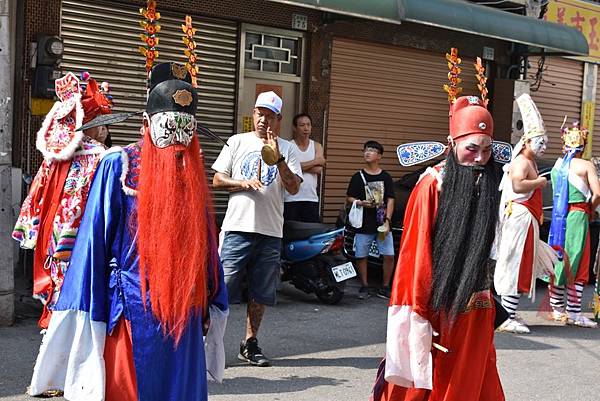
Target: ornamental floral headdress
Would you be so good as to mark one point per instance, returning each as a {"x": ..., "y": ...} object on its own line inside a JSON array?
[
  {"x": 190, "y": 49},
  {"x": 574, "y": 138},
  {"x": 149, "y": 37},
  {"x": 163, "y": 71},
  {"x": 468, "y": 115}
]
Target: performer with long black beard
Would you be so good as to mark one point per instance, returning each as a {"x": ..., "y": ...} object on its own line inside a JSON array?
[{"x": 441, "y": 314}]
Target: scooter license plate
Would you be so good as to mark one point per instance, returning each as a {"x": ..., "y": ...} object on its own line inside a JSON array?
[{"x": 343, "y": 272}]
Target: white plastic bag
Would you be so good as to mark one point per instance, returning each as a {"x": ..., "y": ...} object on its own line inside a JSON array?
[{"x": 355, "y": 217}]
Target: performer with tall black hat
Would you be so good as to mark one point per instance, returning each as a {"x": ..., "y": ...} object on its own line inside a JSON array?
[{"x": 146, "y": 284}]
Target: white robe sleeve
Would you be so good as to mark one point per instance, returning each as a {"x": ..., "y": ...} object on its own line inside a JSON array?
[
  {"x": 408, "y": 349},
  {"x": 214, "y": 346}
]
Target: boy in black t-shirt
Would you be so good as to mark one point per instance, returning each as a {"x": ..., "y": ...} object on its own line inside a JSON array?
[{"x": 373, "y": 189}]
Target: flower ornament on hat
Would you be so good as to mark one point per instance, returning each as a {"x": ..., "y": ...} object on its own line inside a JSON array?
[
  {"x": 468, "y": 114},
  {"x": 269, "y": 100},
  {"x": 171, "y": 87},
  {"x": 149, "y": 37},
  {"x": 190, "y": 49}
]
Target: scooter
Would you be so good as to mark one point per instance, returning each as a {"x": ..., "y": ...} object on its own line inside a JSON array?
[{"x": 313, "y": 262}]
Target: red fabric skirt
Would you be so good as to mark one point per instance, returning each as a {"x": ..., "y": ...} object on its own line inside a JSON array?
[{"x": 118, "y": 358}]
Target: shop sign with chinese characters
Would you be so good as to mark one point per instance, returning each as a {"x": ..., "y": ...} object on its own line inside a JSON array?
[{"x": 581, "y": 15}]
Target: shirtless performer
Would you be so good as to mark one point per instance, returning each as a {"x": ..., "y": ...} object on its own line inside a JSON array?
[{"x": 521, "y": 255}]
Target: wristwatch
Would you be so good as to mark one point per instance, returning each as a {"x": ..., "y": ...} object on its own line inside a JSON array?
[{"x": 281, "y": 159}]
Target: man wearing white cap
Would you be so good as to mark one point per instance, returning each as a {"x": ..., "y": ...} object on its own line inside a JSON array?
[
  {"x": 253, "y": 224},
  {"x": 522, "y": 256}
]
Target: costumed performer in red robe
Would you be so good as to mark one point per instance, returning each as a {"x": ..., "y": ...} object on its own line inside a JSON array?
[
  {"x": 51, "y": 213},
  {"x": 440, "y": 336}
]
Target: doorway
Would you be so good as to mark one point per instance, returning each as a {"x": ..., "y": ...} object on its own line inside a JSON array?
[{"x": 271, "y": 60}]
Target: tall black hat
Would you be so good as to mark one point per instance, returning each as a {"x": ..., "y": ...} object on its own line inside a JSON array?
[{"x": 171, "y": 90}]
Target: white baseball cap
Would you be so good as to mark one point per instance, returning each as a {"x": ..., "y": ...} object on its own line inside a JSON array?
[{"x": 270, "y": 100}]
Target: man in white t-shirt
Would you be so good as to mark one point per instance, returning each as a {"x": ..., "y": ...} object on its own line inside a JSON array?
[
  {"x": 304, "y": 206},
  {"x": 253, "y": 224}
]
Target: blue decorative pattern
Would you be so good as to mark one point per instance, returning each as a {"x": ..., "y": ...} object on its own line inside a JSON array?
[
  {"x": 410, "y": 154},
  {"x": 249, "y": 168},
  {"x": 134, "y": 151},
  {"x": 413, "y": 153},
  {"x": 502, "y": 152}
]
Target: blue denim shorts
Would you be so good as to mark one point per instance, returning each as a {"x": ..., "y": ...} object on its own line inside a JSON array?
[
  {"x": 255, "y": 257},
  {"x": 362, "y": 243}
]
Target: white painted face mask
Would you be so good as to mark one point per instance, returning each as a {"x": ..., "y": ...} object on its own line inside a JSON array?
[
  {"x": 538, "y": 145},
  {"x": 172, "y": 128}
]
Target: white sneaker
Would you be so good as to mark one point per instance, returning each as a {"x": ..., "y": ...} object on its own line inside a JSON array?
[
  {"x": 513, "y": 326},
  {"x": 520, "y": 320},
  {"x": 558, "y": 316},
  {"x": 577, "y": 319}
]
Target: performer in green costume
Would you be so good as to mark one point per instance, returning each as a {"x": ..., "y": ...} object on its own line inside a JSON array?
[{"x": 576, "y": 194}]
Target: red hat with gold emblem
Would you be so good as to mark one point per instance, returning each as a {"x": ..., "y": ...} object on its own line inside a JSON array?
[{"x": 469, "y": 116}]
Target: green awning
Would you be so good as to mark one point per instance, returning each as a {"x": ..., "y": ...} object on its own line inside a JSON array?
[{"x": 463, "y": 16}]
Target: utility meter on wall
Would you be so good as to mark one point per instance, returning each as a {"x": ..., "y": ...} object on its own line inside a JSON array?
[{"x": 50, "y": 49}]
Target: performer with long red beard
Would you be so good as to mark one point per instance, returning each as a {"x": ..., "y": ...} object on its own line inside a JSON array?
[
  {"x": 441, "y": 316},
  {"x": 131, "y": 316},
  {"x": 52, "y": 211}
]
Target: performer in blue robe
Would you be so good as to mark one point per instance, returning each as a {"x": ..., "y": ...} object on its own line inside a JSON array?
[{"x": 114, "y": 336}]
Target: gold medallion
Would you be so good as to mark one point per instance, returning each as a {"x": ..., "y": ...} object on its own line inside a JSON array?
[
  {"x": 183, "y": 97},
  {"x": 178, "y": 70}
]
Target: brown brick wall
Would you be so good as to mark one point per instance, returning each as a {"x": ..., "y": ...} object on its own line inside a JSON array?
[{"x": 41, "y": 16}]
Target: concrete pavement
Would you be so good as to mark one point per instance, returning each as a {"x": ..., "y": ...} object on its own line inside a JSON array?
[{"x": 324, "y": 352}]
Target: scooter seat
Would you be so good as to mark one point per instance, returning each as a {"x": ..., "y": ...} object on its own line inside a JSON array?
[{"x": 299, "y": 230}]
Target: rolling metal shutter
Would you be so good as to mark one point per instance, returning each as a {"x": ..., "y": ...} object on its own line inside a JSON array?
[
  {"x": 387, "y": 93},
  {"x": 103, "y": 38},
  {"x": 559, "y": 94}
]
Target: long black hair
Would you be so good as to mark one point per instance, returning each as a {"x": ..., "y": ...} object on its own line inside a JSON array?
[{"x": 463, "y": 234}]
